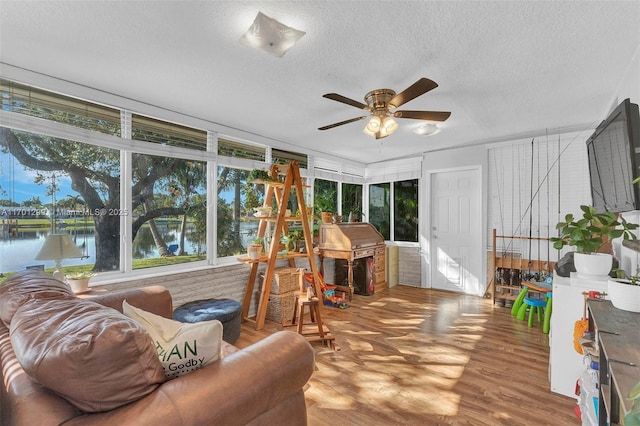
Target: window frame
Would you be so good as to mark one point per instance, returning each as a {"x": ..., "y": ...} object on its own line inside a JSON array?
[{"x": 210, "y": 155}]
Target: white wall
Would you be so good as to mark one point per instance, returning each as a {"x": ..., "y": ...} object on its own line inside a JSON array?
[
  {"x": 532, "y": 184},
  {"x": 629, "y": 87}
]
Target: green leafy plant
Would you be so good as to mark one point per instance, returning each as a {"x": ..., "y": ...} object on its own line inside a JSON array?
[
  {"x": 632, "y": 418},
  {"x": 355, "y": 214},
  {"x": 590, "y": 233},
  {"x": 80, "y": 275},
  {"x": 622, "y": 276},
  {"x": 290, "y": 240},
  {"x": 260, "y": 175}
]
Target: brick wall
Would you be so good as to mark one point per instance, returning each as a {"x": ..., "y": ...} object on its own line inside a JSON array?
[
  {"x": 409, "y": 267},
  {"x": 215, "y": 282}
]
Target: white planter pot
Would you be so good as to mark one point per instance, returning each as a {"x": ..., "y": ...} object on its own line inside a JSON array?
[
  {"x": 624, "y": 296},
  {"x": 254, "y": 251},
  {"x": 79, "y": 286},
  {"x": 593, "y": 264}
]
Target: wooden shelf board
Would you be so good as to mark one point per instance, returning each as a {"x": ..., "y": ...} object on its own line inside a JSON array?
[
  {"x": 523, "y": 264},
  {"x": 245, "y": 259},
  {"x": 511, "y": 287},
  {"x": 277, "y": 183},
  {"x": 275, "y": 218}
]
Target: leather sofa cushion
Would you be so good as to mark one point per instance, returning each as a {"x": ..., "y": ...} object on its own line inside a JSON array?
[
  {"x": 94, "y": 357},
  {"x": 27, "y": 285}
]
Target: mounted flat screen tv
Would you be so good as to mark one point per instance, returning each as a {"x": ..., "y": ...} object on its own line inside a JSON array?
[{"x": 614, "y": 160}]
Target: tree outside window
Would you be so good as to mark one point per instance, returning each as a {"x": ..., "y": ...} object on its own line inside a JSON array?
[
  {"x": 168, "y": 206},
  {"x": 88, "y": 176},
  {"x": 379, "y": 208},
  {"x": 352, "y": 202},
  {"x": 237, "y": 197},
  {"x": 325, "y": 196},
  {"x": 405, "y": 210}
]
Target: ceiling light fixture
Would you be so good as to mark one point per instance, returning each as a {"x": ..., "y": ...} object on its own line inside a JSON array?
[
  {"x": 271, "y": 36},
  {"x": 427, "y": 129},
  {"x": 381, "y": 124}
]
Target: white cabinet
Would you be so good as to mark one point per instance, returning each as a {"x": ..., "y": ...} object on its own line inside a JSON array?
[{"x": 565, "y": 364}]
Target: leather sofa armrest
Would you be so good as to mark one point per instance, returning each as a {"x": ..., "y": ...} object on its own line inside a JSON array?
[
  {"x": 155, "y": 299},
  {"x": 235, "y": 390},
  {"x": 247, "y": 383}
]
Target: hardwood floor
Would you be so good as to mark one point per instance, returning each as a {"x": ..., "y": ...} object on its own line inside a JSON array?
[{"x": 411, "y": 356}]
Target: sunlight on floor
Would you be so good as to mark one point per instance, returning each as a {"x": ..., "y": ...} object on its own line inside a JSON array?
[
  {"x": 400, "y": 363},
  {"x": 423, "y": 359}
]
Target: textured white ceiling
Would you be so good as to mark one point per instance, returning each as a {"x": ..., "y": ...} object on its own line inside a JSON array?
[{"x": 505, "y": 69}]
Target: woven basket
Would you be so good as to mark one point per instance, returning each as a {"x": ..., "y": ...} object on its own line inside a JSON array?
[
  {"x": 285, "y": 280},
  {"x": 280, "y": 307}
]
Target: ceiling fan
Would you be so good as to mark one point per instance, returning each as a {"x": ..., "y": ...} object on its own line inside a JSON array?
[{"x": 380, "y": 102}]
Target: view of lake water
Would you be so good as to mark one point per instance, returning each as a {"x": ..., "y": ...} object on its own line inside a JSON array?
[{"x": 16, "y": 253}]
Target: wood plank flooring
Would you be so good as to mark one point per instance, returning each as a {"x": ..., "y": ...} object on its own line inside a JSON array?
[{"x": 411, "y": 356}]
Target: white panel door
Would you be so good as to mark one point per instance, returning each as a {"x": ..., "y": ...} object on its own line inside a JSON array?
[{"x": 456, "y": 232}]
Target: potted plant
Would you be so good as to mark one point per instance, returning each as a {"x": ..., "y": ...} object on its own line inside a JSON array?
[
  {"x": 297, "y": 238},
  {"x": 79, "y": 281},
  {"x": 591, "y": 236},
  {"x": 624, "y": 291},
  {"x": 324, "y": 204},
  {"x": 288, "y": 241},
  {"x": 355, "y": 215},
  {"x": 254, "y": 250}
]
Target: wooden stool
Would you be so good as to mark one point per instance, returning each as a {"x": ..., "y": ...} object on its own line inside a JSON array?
[{"x": 314, "y": 330}]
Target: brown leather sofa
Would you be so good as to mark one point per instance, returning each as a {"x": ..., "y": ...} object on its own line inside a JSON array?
[{"x": 259, "y": 385}]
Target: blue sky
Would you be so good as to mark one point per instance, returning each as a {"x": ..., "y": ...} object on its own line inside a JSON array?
[
  {"x": 18, "y": 182},
  {"x": 19, "y": 186}
]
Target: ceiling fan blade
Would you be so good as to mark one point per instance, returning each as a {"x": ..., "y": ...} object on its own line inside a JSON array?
[
  {"x": 418, "y": 88},
  {"x": 345, "y": 100},
  {"x": 351, "y": 120},
  {"x": 423, "y": 115}
]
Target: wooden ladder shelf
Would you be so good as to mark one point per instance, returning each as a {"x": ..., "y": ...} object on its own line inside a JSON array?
[{"x": 279, "y": 190}]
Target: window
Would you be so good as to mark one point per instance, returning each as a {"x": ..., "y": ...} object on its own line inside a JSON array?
[
  {"x": 283, "y": 157},
  {"x": 405, "y": 210},
  {"x": 230, "y": 148},
  {"x": 63, "y": 109},
  {"x": 236, "y": 200},
  {"x": 351, "y": 201},
  {"x": 73, "y": 184},
  {"x": 325, "y": 196},
  {"x": 170, "y": 134},
  {"x": 379, "y": 210},
  {"x": 403, "y": 196},
  {"x": 169, "y": 219},
  {"x": 50, "y": 185}
]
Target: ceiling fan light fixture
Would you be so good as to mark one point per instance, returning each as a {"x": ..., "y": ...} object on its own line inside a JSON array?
[
  {"x": 271, "y": 36},
  {"x": 427, "y": 129},
  {"x": 374, "y": 124},
  {"x": 389, "y": 126}
]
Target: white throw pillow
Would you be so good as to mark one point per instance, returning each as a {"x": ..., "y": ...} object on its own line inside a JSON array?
[{"x": 182, "y": 347}]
